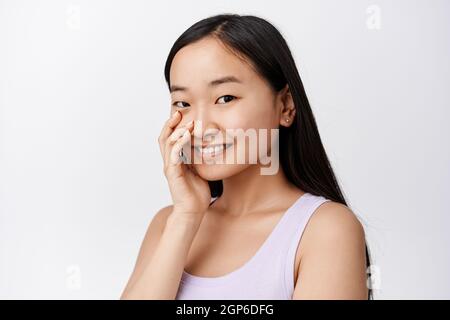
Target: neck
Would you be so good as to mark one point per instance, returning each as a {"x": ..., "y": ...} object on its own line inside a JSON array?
[{"x": 250, "y": 191}]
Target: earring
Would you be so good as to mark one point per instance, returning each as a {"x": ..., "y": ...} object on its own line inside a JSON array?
[{"x": 287, "y": 120}]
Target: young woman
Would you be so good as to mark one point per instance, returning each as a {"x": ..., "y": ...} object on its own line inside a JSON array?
[{"x": 237, "y": 72}]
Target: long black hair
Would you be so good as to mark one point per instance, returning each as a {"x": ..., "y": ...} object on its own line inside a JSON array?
[{"x": 302, "y": 155}]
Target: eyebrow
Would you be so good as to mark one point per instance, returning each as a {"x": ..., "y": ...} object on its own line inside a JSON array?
[{"x": 213, "y": 83}]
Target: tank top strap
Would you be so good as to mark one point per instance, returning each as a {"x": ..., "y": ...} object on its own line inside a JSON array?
[
  {"x": 279, "y": 253},
  {"x": 292, "y": 233}
]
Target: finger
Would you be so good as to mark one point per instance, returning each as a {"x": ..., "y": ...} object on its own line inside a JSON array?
[
  {"x": 176, "y": 134},
  {"x": 168, "y": 128},
  {"x": 182, "y": 138},
  {"x": 170, "y": 141},
  {"x": 171, "y": 123},
  {"x": 175, "y": 152}
]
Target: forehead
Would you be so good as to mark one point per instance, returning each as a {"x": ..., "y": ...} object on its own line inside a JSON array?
[{"x": 205, "y": 60}]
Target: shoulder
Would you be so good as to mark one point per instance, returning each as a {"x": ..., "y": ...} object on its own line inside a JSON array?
[
  {"x": 332, "y": 263},
  {"x": 332, "y": 228},
  {"x": 154, "y": 230},
  {"x": 153, "y": 233},
  {"x": 160, "y": 217},
  {"x": 156, "y": 226},
  {"x": 333, "y": 220},
  {"x": 149, "y": 242}
]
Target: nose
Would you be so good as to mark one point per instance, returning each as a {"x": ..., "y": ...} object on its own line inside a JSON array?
[
  {"x": 206, "y": 128},
  {"x": 205, "y": 132}
]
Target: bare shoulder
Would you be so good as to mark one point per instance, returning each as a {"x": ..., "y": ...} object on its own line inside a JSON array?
[
  {"x": 333, "y": 220},
  {"x": 154, "y": 231},
  {"x": 159, "y": 219},
  {"x": 332, "y": 263},
  {"x": 150, "y": 240}
]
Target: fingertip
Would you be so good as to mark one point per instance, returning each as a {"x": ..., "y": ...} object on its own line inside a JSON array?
[
  {"x": 190, "y": 125},
  {"x": 175, "y": 115}
]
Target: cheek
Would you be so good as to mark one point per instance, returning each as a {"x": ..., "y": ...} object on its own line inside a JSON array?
[
  {"x": 262, "y": 121},
  {"x": 253, "y": 113}
]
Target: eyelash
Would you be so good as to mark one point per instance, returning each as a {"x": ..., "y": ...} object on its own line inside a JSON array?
[{"x": 227, "y": 95}]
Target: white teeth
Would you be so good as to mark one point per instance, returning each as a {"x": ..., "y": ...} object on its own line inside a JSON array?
[{"x": 213, "y": 150}]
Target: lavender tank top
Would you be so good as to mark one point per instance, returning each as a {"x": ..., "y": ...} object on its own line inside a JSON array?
[{"x": 269, "y": 274}]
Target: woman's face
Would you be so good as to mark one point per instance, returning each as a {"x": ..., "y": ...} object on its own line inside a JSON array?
[{"x": 239, "y": 99}]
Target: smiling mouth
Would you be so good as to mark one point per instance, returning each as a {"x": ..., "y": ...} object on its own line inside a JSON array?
[{"x": 212, "y": 151}]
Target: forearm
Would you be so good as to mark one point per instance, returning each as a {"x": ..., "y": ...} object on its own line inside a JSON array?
[{"x": 161, "y": 277}]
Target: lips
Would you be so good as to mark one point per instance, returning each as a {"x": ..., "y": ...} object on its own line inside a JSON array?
[{"x": 212, "y": 150}]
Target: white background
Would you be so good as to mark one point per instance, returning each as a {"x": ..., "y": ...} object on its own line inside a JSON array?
[{"x": 83, "y": 100}]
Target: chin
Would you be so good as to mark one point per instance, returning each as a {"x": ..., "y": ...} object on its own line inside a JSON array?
[{"x": 214, "y": 172}]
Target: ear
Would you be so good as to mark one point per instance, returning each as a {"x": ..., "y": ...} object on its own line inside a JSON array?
[{"x": 287, "y": 108}]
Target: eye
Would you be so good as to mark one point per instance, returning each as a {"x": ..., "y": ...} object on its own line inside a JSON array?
[
  {"x": 227, "y": 96},
  {"x": 176, "y": 104}
]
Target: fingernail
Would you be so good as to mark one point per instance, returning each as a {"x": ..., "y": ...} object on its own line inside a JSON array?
[{"x": 175, "y": 114}]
